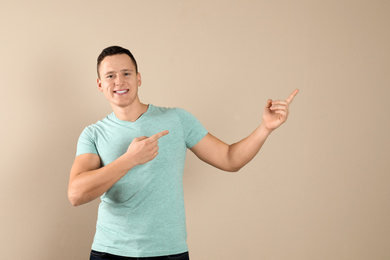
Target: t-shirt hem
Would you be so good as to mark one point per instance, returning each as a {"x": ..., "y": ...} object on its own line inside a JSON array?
[{"x": 124, "y": 253}]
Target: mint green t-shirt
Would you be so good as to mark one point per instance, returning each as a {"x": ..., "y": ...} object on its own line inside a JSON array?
[{"x": 143, "y": 214}]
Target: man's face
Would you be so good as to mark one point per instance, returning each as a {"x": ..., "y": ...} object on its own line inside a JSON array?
[{"x": 119, "y": 80}]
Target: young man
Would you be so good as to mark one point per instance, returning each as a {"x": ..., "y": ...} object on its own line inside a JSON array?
[{"x": 134, "y": 159}]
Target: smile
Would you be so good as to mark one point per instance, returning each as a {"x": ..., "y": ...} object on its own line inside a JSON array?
[{"x": 121, "y": 91}]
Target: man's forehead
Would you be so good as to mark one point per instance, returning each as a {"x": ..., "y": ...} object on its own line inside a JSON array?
[{"x": 117, "y": 62}]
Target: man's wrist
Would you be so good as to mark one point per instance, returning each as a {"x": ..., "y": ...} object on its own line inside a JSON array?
[
  {"x": 264, "y": 130},
  {"x": 127, "y": 161}
]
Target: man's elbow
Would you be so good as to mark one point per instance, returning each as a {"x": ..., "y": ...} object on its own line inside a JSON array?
[
  {"x": 74, "y": 198},
  {"x": 233, "y": 168},
  {"x": 236, "y": 169}
]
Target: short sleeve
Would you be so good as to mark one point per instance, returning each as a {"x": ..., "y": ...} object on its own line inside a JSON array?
[
  {"x": 193, "y": 129},
  {"x": 86, "y": 142}
]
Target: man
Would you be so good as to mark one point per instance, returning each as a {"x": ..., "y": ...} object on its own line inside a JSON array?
[{"x": 134, "y": 159}]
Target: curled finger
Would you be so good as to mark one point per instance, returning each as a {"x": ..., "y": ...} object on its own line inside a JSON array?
[
  {"x": 278, "y": 107},
  {"x": 280, "y": 102},
  {"x": 281, "y": 112}
]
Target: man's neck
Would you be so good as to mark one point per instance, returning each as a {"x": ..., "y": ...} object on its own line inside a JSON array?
[{"x": 130, "y": 113}]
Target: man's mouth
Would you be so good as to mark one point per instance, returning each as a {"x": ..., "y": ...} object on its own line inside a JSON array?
[{"x": 122, "y": 91}]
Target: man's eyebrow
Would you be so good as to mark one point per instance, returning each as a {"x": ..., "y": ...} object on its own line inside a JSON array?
[{"x": 111, "y": 72}]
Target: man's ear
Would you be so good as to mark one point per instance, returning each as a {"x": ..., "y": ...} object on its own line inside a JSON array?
[
  {"x": 139, "y": 79},
  {"x": 99, "y": 84}
]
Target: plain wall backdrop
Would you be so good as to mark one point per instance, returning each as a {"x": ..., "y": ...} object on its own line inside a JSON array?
[{"x": 319, "y": 188}]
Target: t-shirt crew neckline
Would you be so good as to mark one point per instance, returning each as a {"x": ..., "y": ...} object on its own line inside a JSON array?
[{"x": 126, "y": 123}]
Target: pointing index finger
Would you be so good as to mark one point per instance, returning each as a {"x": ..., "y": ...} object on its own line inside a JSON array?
[
  {"x": 158, "y": 135},
  {"x": 291, "y": 97}
]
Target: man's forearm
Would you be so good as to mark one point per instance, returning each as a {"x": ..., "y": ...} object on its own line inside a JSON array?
[
  {"x": 242, "y": 152},
  {"x": 89, "y": 185},
  {"x": 232, "y": 157}
]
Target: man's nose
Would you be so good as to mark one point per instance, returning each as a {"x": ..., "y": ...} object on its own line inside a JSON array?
[{"x": 119, "y": 80}]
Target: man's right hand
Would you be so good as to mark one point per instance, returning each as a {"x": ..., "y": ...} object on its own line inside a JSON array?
[{"x": 144, "y": 149}]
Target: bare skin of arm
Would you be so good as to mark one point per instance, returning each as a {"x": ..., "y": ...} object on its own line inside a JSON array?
[
  {"x": 88, "y": 180},
  {"x": 235, "y": 156}
]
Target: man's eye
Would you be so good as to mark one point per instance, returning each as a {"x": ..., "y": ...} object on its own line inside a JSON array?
[
  {"x": 127, "y": 74},
  {"x": 110, "y": 76}
]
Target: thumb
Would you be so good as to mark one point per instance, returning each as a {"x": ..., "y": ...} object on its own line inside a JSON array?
[
  {"x": 140, "y": 138},
  {"x": 269, "y": 103}
]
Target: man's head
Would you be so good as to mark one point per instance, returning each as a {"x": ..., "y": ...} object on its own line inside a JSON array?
[{"x": 114, "y": 50}]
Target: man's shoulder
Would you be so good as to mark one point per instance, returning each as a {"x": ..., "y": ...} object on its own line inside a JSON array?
[{"x": 102, "y": 123}]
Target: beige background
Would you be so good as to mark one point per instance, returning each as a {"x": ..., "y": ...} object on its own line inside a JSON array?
[{"x": 319, "y": 189}]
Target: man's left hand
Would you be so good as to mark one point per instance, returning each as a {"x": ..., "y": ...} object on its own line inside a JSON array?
[{"x": 276, "y": 112}]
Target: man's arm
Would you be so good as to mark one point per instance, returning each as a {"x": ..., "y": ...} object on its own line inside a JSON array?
[
  {"x": 88, "y": 180},
  {"x": 233, "y": 157}
]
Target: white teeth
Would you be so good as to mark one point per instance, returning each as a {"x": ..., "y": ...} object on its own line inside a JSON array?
[{"x": 121, "y": 91}]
